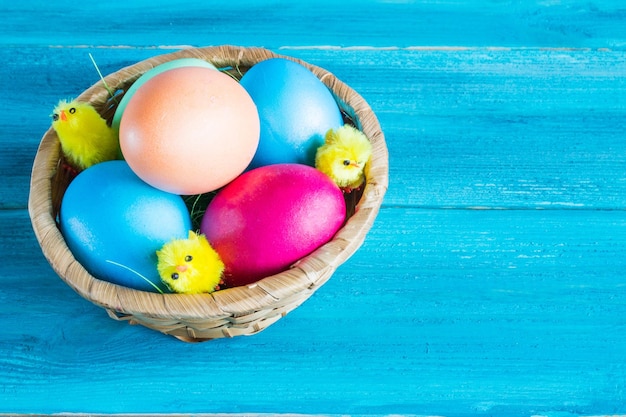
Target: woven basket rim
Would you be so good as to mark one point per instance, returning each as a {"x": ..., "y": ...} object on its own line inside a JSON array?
[{"x": 285, "y": 288}]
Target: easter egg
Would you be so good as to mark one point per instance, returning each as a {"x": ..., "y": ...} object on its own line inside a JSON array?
[
  {"x": 176, "y": 63},
  {"x": 189, "y": 130},
  {"x": 114, "y": 223},
  {"x": 270, "y": 217},
  {"x": 296, "y": 110}
]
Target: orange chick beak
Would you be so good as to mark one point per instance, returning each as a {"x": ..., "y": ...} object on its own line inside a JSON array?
[
  {"x": 181, "y": 268},
  {"x": 63, "y": 116}
]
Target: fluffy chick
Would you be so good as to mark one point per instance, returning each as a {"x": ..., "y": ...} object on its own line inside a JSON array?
[
  {"x": 343, "y": 156},
  {"x": 190, "y": 266},
  {"x": 85, "y": 137}
]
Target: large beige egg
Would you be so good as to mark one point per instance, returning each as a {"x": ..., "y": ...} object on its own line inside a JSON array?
[{"x": 189, "y": 130}]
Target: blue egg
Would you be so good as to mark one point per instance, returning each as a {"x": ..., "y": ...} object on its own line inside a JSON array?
[
  {"x": 295, "y": 108},
  {"x": 113, "y": 223},
  {"x": 176, "y": 63}
]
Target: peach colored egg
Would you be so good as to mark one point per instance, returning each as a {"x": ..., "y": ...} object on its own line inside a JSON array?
[{"x": 189, "y": 130}]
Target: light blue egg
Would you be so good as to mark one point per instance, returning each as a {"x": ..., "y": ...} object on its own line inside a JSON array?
[
  {"x": 176, "y": 63},
  {"x": 295, "y": 108},
  {"x": 113, "y": 223}
]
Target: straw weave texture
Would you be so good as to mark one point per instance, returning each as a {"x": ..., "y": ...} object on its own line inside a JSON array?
[{"x": 231, "y": 312}]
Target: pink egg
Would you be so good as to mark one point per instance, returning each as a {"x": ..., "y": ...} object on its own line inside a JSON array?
[
  {"x": 270, "y": 217},
  {"x": 189, "y": 130}
]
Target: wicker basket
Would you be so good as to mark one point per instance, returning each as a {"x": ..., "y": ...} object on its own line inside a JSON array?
[{"x": 230, "y": 312}]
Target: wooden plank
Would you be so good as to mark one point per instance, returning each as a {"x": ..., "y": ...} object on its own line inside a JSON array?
[
  {"x": 510, "y": 128},
  {"x": 575, "y": 23},
  {"x": 465, "y": 128},
  {"x": 441, "y": 311}
]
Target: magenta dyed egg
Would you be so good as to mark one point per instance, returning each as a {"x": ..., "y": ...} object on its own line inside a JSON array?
[{"x": 270, "y": 217}]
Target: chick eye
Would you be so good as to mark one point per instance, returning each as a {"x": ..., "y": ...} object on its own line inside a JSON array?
[
  {"x": 72, "y": 110},
  {"x": 188, "y": 258},
  {"x": 346, "y": 162},
  {"x": 175, "y": 276},
  {"x": 55, "y": 117}
]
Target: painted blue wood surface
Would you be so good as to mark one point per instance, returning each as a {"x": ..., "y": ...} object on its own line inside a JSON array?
[{"x": 492, "y": 282}]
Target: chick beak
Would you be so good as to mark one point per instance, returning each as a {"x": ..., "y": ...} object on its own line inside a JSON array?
[
  {"x": 63, "y": 116},
  {"x": 354, "y": 164},
  {"x": 181, "y": 268}
]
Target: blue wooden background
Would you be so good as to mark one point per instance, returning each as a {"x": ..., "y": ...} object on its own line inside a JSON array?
[{"x": 493, "y": 281}]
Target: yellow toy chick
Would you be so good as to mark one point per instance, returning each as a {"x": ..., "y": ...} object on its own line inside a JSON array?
[
  {"x": 190, "y": 266},
  {"x": 343, "y": 156},
  {"x": 85, "y": 137}
]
